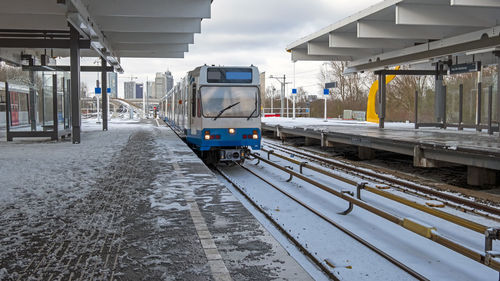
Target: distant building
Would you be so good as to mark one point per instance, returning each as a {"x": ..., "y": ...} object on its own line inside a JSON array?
[
  {"x": 160, "y": 85},
  {"x": 139, "y": 90},
  {"x": 113, "y": 84},
  {"x": 129, "y": 90},
  {"x": 150, "y": 89},
  {"x": 170, "y": 81}
]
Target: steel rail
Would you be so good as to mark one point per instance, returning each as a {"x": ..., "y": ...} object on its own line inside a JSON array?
[
  {"x": 411, "y": 225},
  {"x": 438, "y": 213},
  {"x": 489, "y": 209},
  {"x": 280, "y": 228},
  {"x": 343, "y": 229}
]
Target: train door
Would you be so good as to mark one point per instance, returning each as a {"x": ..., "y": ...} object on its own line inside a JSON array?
[{"x": 192, "y": 107}]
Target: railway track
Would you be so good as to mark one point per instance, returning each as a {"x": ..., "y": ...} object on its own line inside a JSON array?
[
  {"x": 451, "y": 200},
  {"x": 321, "y": 264},
  {"x": 488, "y": 257}
]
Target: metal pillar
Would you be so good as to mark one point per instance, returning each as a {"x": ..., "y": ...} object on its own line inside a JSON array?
[
  {"x": 104, "y": 86},
  {"x": 490, "y": 109},
  {"x": 55, "y": 127},
  {"x": 32, "y": 95},
  {"x": 460, "y": 106},
  {"x": 382, "y": 100},
  {"x": 416, "y": 109},
  {"x": 75, "y": 83},
  {"x": 478, "y": 106},
  {"x": 7, "y": 111},
  {"x": 444, "y": 106},
  {"x": 438, "y": 98},
  {"x": 498, "y": 92},
  {"x": 282, "y": 111}
]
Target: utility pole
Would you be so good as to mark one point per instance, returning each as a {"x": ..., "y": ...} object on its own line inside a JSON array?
[
  {"x": 283, "y": 82},
  {"x": 294, "y": 89},
  {"x": 272, "y": 99}
]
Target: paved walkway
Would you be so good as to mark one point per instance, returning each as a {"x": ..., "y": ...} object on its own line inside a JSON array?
[{"x": 155, "y": 212}]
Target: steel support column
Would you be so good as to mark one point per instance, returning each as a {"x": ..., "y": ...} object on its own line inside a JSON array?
[
  {"x": 416, "y": 109},
  {"x": 7, "y": 111},
  {"x": 32, "y": 97},
  {"x": 478, "y": 106},
  {"x": 460, "y": 106},
  {"x": 382, "y": 100},
  {"x": 438, "y": 97},
  {"x": 444, "y": 92},
  {"x": 104, "y": 87},
  {"x": 55, "y": 117},
  {"x": 75, "y": 83},
  {"x": 498, "y": 92}
]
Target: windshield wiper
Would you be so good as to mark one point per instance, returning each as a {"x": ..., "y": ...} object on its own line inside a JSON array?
[
  {"x": 248, "y": 118},
  {"x": 222, "y": 111}
]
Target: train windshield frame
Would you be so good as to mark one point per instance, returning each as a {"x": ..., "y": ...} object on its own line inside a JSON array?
[{"x": 214, "y": 99}]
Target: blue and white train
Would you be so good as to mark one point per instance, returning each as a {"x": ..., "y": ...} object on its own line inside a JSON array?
[{"x": 218, "y": 109}]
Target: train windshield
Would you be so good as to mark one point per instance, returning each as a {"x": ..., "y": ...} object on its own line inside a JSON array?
[{"x": 233, "y": 101}]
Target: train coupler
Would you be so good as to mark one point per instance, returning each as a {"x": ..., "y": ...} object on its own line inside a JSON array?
[{"x": 351, "y": 206}]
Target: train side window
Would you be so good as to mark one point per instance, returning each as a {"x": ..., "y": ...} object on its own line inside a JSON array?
[
  {"x": 193, "y": 101},
  {"x": 199, "y": 105}
]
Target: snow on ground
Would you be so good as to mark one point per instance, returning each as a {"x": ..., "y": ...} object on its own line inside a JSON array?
[
  {"x": 40, "y": 168},
  {"x": 320, "y": 124}
]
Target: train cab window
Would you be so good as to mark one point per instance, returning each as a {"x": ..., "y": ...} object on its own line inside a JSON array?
[{"x": 193, "y": 101}]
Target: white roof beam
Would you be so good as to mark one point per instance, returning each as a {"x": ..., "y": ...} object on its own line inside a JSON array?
[
  {"x": 476, "y": 3},
  {"x": 389, "y": 30},
  {"x": 350, "y": 40},
  {"x": 140, "y": 24},
  {"x": 152, "y": 47},
  {"x": 154, "y": 8},
  {"x": 151, "y": 37},
  {"x": 301, "y": 54},
  {"x": 420, "y": 14},
  {"x": 151, "y": 54},
  {"x": 448, "y": 46},
  {"x": 322, "y": 49},
  {"x": 78, "y": 7}
]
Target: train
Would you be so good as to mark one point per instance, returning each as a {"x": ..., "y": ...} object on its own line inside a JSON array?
[{"x": 217, "y": 109}]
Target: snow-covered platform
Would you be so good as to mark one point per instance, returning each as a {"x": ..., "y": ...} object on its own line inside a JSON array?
[
  {"x": 132, "y": 203},
  {"x": 426, "y": 145}
]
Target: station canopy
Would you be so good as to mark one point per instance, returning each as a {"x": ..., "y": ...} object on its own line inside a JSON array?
[
  {"x": 395, "y": 32},
  {"x": 113, "y": 28}
]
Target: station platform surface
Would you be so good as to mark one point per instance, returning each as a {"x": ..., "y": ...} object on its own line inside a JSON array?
[
  {"x": 466, "y": 147},
  {"x": 133, "y": 203}
]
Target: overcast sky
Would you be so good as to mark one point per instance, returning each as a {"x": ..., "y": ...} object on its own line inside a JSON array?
[{"x": 250, "y": 32}]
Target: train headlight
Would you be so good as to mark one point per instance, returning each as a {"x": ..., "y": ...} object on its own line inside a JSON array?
[
  {"x": 255, "y": 135},
  {"x": 207, "y": 135},
  {"x": 232, "y": 131}
]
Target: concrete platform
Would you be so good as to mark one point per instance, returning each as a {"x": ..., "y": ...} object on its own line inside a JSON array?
[
  {"x": 428, "y": 146},
  {"x": 153, "y": 211}
]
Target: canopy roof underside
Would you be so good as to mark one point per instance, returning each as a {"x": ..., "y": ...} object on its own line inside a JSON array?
[
  {"x": 395, "y": 32},
  {"x": 115, "y": 28}
]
